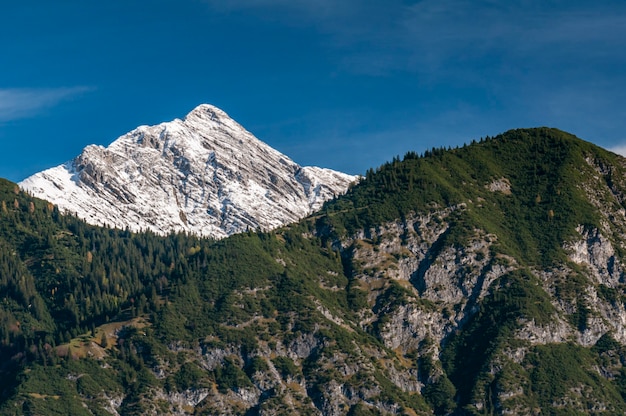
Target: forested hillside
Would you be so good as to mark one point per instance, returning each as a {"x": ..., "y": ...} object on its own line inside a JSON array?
[{"x": 487, "y": 279}]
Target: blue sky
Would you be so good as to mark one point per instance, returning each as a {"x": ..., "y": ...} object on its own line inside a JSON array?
[{"x": 346, "y": 85}]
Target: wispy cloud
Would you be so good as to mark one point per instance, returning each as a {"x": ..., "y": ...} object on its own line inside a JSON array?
[
  {"x": 620, "y": 149},
  {"x": 517, "y": 63},
  {"x": 427, "y": 35},
  {"x": 347, "y": 22},
  {"x": 321, "y": 11},
  {"x": 516, "y": 27},
  {"x": 17, "y": 103}
]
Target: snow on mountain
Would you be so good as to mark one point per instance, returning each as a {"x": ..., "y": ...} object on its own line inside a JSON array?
[{"x": 204, "y": 175}]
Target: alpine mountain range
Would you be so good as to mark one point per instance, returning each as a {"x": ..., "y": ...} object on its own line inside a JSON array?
[
  {"x": 485, "y": 279},
  {"x": 205, "y": 175}
]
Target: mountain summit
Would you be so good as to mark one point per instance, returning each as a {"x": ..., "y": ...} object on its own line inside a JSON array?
[{"x": 204, "y": 175}]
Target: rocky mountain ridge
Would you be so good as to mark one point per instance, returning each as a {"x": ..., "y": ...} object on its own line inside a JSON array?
[
  {"x": 487, "y": 279},
  {"x": 205, "y": 175}
]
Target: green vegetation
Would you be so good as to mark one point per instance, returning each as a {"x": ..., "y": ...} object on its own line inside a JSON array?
[
  {"x": 573, "y": 367},
  {"x": 538, "y": 207},
  {"x": 89, "y": 315},
  {"x": 286, "y": 367},
  {"x": 514, "y": 297}
]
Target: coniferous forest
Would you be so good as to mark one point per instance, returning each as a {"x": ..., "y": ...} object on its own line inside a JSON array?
[{"x": 485, "y": 279}]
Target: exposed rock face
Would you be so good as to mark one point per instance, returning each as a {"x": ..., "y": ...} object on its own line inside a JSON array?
[
  {"x": 445, "y": 285},
  {"x": 596, "y": 252},
  {"x": 442, "y": 289},
  {"x": 205, "y": 175},
  {"x": 446, "y": 282}
]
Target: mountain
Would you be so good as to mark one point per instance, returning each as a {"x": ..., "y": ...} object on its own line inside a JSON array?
[
  {"x": 204, "y": 175},
  {"x": 487, "y": 279}
]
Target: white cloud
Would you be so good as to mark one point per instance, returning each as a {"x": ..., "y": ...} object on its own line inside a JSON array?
[
  {"x": 620, "y": 149},
  {"x": 16, "y": 103}
]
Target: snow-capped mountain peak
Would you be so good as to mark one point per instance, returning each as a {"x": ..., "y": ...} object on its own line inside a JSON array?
[{"x": 204, "y": 174}]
